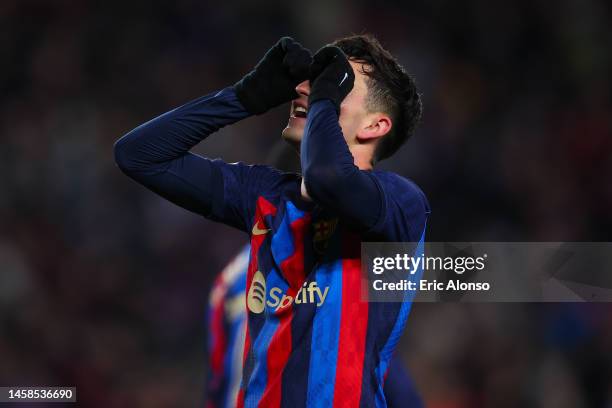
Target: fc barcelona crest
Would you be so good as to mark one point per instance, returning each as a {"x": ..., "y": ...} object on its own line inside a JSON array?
[{"x": 323, "y": 230}]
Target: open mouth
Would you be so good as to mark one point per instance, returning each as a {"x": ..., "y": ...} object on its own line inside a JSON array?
[{"x": 300, "y": 112}]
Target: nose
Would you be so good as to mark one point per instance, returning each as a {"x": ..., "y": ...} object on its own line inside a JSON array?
[{"x": 303, "y": 88}]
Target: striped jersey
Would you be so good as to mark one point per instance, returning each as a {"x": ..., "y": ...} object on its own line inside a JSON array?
[
  {"x": 312, "y": 340},
  {"x": 226, "y": 327}
]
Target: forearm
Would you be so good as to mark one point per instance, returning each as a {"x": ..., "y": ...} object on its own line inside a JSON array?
[
  {"x": 152, "y": 146},
  {"x": 330, "y": 175},
  {"x": 156, "y": 154}
]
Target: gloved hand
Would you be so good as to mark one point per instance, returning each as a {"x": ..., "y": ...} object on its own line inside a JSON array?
[
  {"x": 273, "y": 80},
  {"x": 331, "y": 76}
]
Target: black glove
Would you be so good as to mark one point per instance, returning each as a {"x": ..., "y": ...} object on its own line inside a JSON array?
[
  {"x": 273, "y": 80},
  {"x": 331, "y": 76}
]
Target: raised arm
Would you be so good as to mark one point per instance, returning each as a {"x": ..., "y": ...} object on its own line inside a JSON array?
[
  {"x": 330, "y": 175},
  {"x": 156, "y": 154}
]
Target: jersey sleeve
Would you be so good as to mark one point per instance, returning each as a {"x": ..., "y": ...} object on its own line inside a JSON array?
[
  {"x": 405, "y": 210},
  {"x": 330, "y": 175},
  {"x": 157, "y": 155}
]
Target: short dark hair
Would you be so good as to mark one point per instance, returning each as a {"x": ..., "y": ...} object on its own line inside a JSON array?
[{"x": 390, "y": 89}]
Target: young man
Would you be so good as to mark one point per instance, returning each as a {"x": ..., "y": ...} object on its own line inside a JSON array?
[{"x": 311, "y": 340}]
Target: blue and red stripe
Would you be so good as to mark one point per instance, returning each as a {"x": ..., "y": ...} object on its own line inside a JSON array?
[
  {"x": 288, "y": 251},
  {"x": 398, "y": 328},
  {"x": 325, "y": 337},
  {"x": 264, "y": 210},
  {"x": 262, "y": 346},
  {"x": 353, "y": 326}
]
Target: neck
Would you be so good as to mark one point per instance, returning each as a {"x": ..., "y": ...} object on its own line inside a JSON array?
[
  {"x": 362, "y": 157},
  {"x": 363, "y": 163}
]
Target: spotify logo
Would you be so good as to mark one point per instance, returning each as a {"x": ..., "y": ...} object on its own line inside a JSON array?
[
  {"x": 257, "y": 293},
  {"x": 309, "y": 293}
]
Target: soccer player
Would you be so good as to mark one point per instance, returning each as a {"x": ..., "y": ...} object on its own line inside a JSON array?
[{"x": 311, "y": 340}]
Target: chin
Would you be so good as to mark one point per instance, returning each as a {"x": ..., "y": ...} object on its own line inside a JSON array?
[{"x": 292, "y": 136}]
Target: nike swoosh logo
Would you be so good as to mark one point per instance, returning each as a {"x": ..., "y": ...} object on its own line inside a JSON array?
[
  {"x": 257, "y": 231},
  {"x": 345, "y": 76}
]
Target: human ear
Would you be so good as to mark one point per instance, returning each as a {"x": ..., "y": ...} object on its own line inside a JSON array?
[{"x": 374, "y": 127}]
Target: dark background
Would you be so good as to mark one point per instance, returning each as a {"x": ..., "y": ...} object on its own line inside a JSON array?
[{"x": 103, "y": 285}]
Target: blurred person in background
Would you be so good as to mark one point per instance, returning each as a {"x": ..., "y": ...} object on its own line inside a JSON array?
[{"x": 353, "y": 105}]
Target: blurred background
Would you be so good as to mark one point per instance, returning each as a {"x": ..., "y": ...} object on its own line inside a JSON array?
[{"x": 103, "y": 285}]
